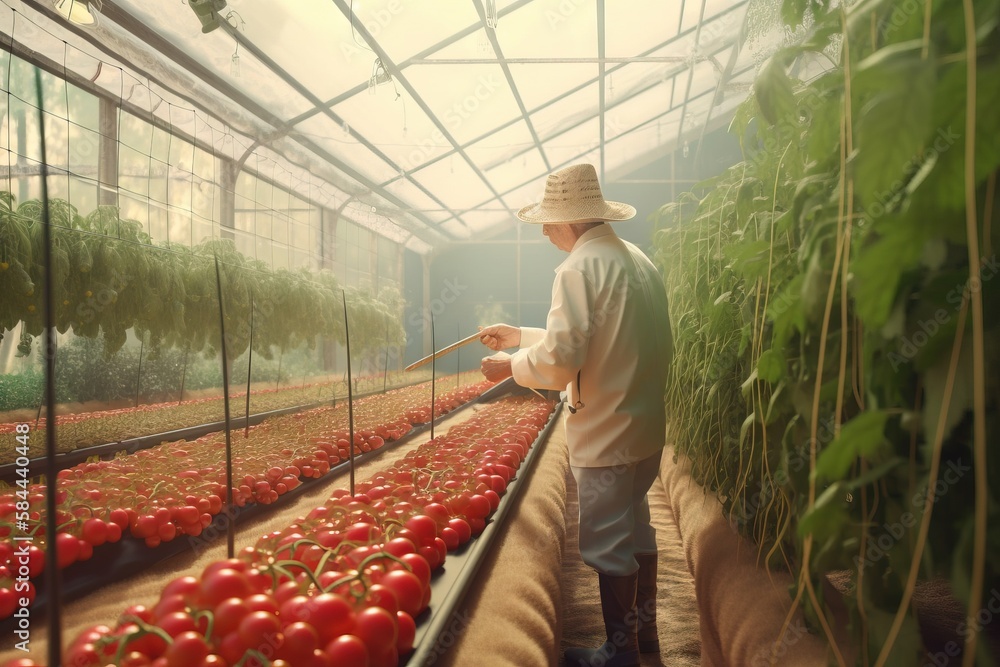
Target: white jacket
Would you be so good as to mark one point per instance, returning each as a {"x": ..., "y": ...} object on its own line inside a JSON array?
[{"x": 609, "y": 323}]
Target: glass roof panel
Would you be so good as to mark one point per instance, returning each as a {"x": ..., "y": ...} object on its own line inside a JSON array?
[
  {"x": 621, "y": 18},
  {"x": 636, "y": 110},
  {"x": 550, "y": 29},
  {"x": 460, "y": 189},
  {"x": 475, "y": 45},
  {"x": 573, "y": 142},
  {"x": 691, "y": 12},
  {"x": 457, "y": 228},
  {"x": 635, "y": 78},
  {"x": 309, "y": 39},
  {"x": 322, "y": 131},
  {"x": 513, "y": 172},
  {"x": 715, "y": 27},
  {"x": 566, "y": 112},
  {"x": 654, "y": 136},
  {"x": 177, "y": 23},
  {"x": 468, "y": 99},
  {"x": 399, "y": 129},
  {"x": 405, "y": 28},
  {"x": 525, "y": 194},
  {"x": 538, "y": 82},
  {"x": 501, "y": 146},
  {"x": 487, "y": 219},
  {"x": 419, "y": 202},
  {"x": 314, "y": 42}
]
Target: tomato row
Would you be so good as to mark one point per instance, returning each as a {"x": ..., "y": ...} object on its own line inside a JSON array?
[
  {"x": 342, "y": 585},
  {"x": 176, "y": 489},
  {"x": 99, "y": 427}
]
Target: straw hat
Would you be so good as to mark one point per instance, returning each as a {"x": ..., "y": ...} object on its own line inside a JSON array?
[{"x": 574, "y": 195}]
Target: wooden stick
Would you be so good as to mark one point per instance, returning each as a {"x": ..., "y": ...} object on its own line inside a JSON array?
[{"x": 440, "y": 353}]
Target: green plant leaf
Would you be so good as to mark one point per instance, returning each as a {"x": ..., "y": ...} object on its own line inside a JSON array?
[
  {"x": 862, "y": 436},
  {"x": 771, "y": 366},
  {"x": 793, "y": 11},
  {"x": 824, "y": 512},
  {"x": 876, "y": 473},
  {"x": 895, "y": 121},
  {"x": 878, "y": 269},
  {"x": 773, "y": 89}
]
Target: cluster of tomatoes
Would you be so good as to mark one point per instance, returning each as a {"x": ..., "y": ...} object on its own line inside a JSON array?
[
  {"x": 342, "y": 585},
  {"x": 175, "y": 489}
]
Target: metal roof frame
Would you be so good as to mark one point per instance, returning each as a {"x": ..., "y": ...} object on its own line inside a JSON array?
[{"x": 428, "y": 229}]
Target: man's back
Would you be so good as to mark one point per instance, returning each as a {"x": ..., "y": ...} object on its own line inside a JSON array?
[{"x": 628, "y": 354}]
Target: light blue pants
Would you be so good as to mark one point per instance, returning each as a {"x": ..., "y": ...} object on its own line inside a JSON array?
[{"x": 614, "y": 515}]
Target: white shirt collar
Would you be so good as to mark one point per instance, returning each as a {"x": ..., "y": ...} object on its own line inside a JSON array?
[
  {"x": 589, "y": 235},
  {"x": 596, "y": 232}
]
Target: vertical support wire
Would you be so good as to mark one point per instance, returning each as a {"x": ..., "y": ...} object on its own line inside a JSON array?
[
  {"x": 246, "y": 430},
  {"x": 385, "y": 368},
  {"x": 230, "y": 510},
  {"x": 180, "y": 399},
  {"x": 433, "y": 375},
  {"x": 138, "y": 372},
  {"x": 53, "y": 579},
  {"x": 350, "y": 390}
]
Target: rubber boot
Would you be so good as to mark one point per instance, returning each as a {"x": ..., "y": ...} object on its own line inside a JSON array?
[
  {"x": 618, "y": 607},
  {"x": 645, "y": 602}
]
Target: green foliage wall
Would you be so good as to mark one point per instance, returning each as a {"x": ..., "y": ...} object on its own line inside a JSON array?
[
  {"x": 835, "y": 303},
  {"x": 109, "y": 278}
]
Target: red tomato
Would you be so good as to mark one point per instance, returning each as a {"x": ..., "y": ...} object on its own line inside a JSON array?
[
  {"x": 261, "y": 602},
  {"x": 424, "y": 527},
  {"x": 419, "y": 566},
  {"x": 177, "y": 623},
  {"x": 8, "y": 602},
  {"x": 407, "y": 632},
  {"x": 223, "y": 584},
  {"x": 431, "y": 555},
  {"x": 479, "y": 506},
  {"x": 377, "y": 629},
  {"x": 461, "y": 527},
  {"x": 67, "y": 549},
  {"x": 94, "y": 531},
  {"x": 348, "y": 650},
  {"x": 301, "y": 639},
  {"x": 382, "y": 596},
  {"x": 398, "y": 546},
  {"x": 188, "y": 649},
  {"x": 407, "y": 588},
  {"x": 228, "y": 615},
  {"x": 332, "y": 616},
  {"x": 187, "y": 587},
  {"x": 450, "y": 538},
  {"x": 258, "y": 625}
]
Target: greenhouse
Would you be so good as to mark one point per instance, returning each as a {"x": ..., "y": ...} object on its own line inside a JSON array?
[{"x": 365, "y": 333}]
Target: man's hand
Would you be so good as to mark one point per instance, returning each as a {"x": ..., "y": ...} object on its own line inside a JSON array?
[
  {"x": 500, "y": 336},
  {"x": 497, "y": 367}
]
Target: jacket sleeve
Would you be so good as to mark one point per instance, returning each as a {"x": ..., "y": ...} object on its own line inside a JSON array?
[
  {"x": 552, "y": 361},
  {"x": 530, "y": 336}
]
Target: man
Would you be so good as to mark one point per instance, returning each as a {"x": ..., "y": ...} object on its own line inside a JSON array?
[{"x": 607, "y": 341}]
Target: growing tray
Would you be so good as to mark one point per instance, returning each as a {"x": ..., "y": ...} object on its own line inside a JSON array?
[
  {"x": 451, "y": 582},
  {"x": 113, "y": 562},
  {"x": 9, "y": 472}
]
